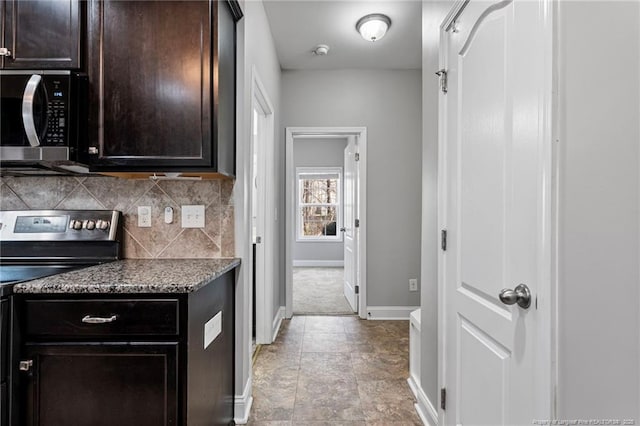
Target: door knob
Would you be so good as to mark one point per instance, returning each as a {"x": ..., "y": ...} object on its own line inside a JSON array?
[
  {"x": 520, "y": 295},
  {"x": 343, "y": 229}
]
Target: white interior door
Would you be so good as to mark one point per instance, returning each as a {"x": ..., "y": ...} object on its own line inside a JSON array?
[
  {"x": 494, "y": 212},
  {"x": 349, "y": 230}
]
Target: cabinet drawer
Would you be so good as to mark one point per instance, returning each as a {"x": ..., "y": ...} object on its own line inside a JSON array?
[{"x": 101, "y": 318}]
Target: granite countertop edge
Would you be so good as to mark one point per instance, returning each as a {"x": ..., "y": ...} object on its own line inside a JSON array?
[{"x": 133, "y": 276}]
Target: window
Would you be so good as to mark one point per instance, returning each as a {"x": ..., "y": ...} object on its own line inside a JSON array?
[{"x": 319, "y": 199}]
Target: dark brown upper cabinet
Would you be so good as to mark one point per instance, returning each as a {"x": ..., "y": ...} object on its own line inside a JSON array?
[
  {"x": 40, "y": 34},
  {"x": 162, "y": 86}
]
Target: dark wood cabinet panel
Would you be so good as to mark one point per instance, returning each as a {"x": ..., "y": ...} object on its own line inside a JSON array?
[
  {"x": 42, "y": 34},
  {"x": 91, "y": 385},
  {"x": 157, "y": 96},
  {"x": 135, "y": 373}
]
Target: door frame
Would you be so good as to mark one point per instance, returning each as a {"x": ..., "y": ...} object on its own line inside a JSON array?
[
  {"x": 293, "y": 133},
  {"x": 265, "y": 284},
  {"x": 546, "y": 297}
]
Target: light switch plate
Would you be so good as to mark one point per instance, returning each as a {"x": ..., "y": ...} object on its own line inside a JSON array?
[{"x": 193, "y": 216}]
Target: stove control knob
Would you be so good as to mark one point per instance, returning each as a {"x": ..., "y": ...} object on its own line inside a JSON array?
[
  {"x": 77, "y": 225},
  {"x": 91, "y": 225},
  {"x": 102, "y": 225},
  {"x": 72, "y": 223}
]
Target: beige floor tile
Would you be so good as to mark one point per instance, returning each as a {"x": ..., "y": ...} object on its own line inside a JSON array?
[{"x": 334, "y": 371}]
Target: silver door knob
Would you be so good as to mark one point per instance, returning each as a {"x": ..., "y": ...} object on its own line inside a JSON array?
[{"x": 520, "y": 295}]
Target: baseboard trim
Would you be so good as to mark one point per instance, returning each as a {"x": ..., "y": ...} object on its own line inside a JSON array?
[
  {"x": 319, "y": 263},
  {"x": 425, "y": 409},
  {"x": 242, "y": 404},
  {"x": 390, "y": 312},
  {"x": 277, "y": 321}
]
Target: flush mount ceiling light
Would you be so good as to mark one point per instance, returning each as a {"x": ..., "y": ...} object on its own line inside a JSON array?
[{"x": 374, "y": 26}]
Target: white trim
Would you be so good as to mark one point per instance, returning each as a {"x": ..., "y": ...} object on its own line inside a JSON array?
[
  {"x": 325, "y": 132},
  {"x": 425, "y": 409},
  {"x": 318, "y": 263},
  {"x": 390, "y": 312},
  {"x": 277, "y": 321},
  {"x": 242, "y": 404},
  {"x": 265, "y": 250}
]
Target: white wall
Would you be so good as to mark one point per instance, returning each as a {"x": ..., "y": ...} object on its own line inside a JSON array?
[
  {"x": 598, "y": 212},
  {"x": 255, "y": 50},
  {"x": 388, "y": 103},
  {"x": 319, "y": 153},
  {"x": 433, "y": 13}
]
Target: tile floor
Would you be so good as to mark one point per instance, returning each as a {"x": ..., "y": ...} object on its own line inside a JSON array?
[{"x": 325, "y": 370}]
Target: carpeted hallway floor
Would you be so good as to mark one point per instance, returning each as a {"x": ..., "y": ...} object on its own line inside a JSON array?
[{"x": 319, "y": 291}]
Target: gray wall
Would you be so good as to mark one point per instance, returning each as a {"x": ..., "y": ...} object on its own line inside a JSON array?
[
  {"x": 598, "y": 211},
  {"x": 319, "y": 153},
  {"x": 433, "y": 13},
  {"x": 256, "y": 50},
  {"x": 388, "y": 103}
]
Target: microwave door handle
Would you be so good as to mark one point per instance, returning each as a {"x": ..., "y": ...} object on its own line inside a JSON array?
[{"x": 27, "y": 109}]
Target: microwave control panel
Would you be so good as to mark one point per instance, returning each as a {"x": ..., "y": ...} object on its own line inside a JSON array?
[{"x": 57, "y": 117}]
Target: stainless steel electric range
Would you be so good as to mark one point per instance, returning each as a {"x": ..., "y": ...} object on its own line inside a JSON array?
[{"x": 39, "y": 243}]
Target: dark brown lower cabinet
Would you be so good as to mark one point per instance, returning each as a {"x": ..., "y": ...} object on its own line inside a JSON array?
[
  {"x": 102, "y": 385},
  {"x": 149, "y": 363}
]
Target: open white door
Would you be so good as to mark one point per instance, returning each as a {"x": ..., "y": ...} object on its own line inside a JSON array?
[
  {"x": 349, "y": 230},
  {"x": 496, "y": 202}
]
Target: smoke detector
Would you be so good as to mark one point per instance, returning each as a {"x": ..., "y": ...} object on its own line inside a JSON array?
[{"x": 321, "y": 50}]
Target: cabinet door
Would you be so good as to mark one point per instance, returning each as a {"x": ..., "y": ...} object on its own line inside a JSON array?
[
  {"x": 150, "y": 73},
  {"x": 101, "y": 385},
  {"x": 42, "y": 34}
]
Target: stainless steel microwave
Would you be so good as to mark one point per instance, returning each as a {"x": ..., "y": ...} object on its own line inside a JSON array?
[{"x": 43, "y": 118}]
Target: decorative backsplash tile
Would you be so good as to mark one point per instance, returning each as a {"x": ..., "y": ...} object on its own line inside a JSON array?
[{"x": 162, "y": 240}]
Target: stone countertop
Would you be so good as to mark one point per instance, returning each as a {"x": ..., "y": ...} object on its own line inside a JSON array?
[{"x": 159, "y": 276}]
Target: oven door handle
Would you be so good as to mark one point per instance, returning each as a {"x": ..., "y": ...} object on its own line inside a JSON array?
[
  {"x": 27, "y": 109},
  {"x": 99, "y": 320}
]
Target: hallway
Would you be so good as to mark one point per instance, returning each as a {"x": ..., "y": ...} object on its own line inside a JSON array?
[{"x": 325, "y": 370}]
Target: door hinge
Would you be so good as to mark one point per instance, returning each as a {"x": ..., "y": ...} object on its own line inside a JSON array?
[
  {"x": 26, "y": 365},
  {"x": 357, "y": 224},
  {"x": 357, "y": 289},
  {"x": 357, "y": 156},
  {"x": 443, "y": 398},
  {"x": 443, "y": 239},
  {"x": 443, "y": 79}
]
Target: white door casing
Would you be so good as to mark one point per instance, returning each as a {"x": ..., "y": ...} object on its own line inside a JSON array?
[
  {"x": 495, "y": 163},
  {"x": 292, "y": 134},
  {"x": 349, "y": 230},
  {"x": 263, "y": 207}
]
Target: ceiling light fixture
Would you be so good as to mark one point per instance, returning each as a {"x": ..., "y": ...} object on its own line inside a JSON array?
[{"x": 374, "y": 26}]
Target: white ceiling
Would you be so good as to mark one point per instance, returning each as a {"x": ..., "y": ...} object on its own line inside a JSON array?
[{"x": 298, "y": 26}]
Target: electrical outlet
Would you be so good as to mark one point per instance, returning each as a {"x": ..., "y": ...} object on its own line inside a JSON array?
[
  {"x": 144, "y": 216},
  {"x": 413, "y": 284},
  {"x": 193, "y": 216}
]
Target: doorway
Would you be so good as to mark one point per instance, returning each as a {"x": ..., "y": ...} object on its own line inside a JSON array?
[
  {"x": 326, "y": 226},
  {"x": 262, "y": 211}
]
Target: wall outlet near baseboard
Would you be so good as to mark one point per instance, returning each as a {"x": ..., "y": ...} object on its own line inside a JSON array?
[{"x": 413, "y": 284}]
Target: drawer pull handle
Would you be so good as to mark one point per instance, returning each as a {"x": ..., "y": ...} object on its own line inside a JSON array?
[{"x": 99, "y": 320}]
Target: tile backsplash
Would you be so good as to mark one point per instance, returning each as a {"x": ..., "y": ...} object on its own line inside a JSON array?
[{"x": 161, "y": 240}]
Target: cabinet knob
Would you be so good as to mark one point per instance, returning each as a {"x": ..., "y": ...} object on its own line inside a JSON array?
[
  {"x": 5, "y": 52},
  {"x": 93, "y": 150}
]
